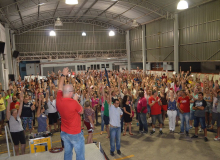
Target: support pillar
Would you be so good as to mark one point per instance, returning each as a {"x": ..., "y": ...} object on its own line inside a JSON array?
[
  {"x": 15, "y": 60},
  {"x": 128, "y": 49},
  {"x": 176, "y": 43},
  {"x": 8, "y": 55},
  {"x": 144, "y": 48}
]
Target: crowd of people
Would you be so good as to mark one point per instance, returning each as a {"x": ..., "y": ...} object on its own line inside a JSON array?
[{"x": 63, "y": 100}]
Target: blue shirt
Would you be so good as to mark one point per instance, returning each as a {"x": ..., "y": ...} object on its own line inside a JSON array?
[{"x": 172, "y": 105}]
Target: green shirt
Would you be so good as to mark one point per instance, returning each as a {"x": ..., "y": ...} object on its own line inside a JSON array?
[{"x": 106, "y": 109}]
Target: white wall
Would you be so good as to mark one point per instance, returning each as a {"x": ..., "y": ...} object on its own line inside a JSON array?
[
  {"x": 66, "y": 63},
  {"x": 32, "y": 68}
]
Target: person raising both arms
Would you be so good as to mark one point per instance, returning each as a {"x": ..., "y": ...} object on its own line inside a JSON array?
[{"x": 16, "y": 129}]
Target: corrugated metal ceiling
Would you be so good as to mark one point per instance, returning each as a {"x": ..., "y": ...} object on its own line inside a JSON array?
[{"x": 120, "y": 13}]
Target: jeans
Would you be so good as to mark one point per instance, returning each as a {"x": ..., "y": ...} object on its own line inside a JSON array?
[
  {"x": 192, "y": 113},
  {"x": 115, "y": 134},
  {"x": 184, "y": 117},
  {"x": 200, "y": 120},
  {"x": 142, "y": 122},
  {"x": 102, "y": 121},
  {"x": 76, "y": 141}
]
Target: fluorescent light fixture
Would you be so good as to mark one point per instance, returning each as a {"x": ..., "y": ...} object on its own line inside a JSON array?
[
  {"x": 182, "y": 5},
  {"x": 111, "y": 33},
  {"x": 71, "y": 2},
  {"x": 52, "y": 33},
  {"x": 41, "y": 4},
  {"x": 58, "y": 22},
  {"x": 83, "y": 33},
  {"x": 108, "y": 58}
]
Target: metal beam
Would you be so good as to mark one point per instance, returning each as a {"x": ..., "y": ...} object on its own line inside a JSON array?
[
  {"x": 67, "y": 20},
  {"x": 7, "y": 20},
  {"x": 88, "y": 8},
  {"x": 38, "y": 10},
  {"x": 56, "y": 8},
  {"x": 18, "y": 10},
  {"x": 81, "y": 7}
]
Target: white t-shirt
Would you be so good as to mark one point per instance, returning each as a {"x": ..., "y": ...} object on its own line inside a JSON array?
[
  {"x": 52, "y": 106},
  {"x": 115, "y": 116}
]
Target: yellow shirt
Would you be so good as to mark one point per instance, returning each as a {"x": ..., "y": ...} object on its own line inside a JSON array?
[{"x": 2, "y": 105}]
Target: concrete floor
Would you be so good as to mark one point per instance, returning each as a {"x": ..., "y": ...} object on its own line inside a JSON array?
[{"x": 156, "y": 147}]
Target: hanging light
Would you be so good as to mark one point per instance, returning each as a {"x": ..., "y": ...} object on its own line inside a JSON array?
[
  {"x": 71, "y": 2},
  {"x": 134, "y": 24},
  {"x": 52, "y": 33},
  {"x": 111, "y": 33},
  {"x": 183, "y": 4},
  {"x": 83, "y": 33},
  {"x": 58, "y": 22}
]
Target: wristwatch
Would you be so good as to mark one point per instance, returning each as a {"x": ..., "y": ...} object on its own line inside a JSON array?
[{"x": 63, "y": 75}]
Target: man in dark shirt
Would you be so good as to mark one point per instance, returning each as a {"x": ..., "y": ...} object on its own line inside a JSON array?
[{"x": 199, "y": 107}]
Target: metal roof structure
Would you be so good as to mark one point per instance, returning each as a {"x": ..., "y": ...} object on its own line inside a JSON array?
[{"x": 25, "y": 15}]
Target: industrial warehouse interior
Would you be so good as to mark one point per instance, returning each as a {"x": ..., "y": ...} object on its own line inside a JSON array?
[{"x": 109, "y": 79}]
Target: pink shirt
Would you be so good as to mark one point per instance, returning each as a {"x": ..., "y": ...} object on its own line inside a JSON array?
[{"x": 94, "y": 102}]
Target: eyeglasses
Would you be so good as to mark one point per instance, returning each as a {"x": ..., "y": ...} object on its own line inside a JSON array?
[{"x": 116, "y": 103}]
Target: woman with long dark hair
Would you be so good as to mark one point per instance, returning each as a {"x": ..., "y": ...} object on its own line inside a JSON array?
[{"x": 127, "y": 114}]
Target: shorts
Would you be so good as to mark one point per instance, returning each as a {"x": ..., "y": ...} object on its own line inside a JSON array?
[
  {"x": 208, "y": 109},
  {"x": 106, "y": 120},
  {"x": 18, "y": 137},
  {"x": 89, "y": 127},
  {"x": 200, "y": 120},
  {"x": 216, "y": 117},
  {"x": 157, "y": 117},
  {"x": 52, "y": 118},
  {"x": 25, "y": 121},
  {"x": 2, "y": 115},
  {"x": 192, "y": 113},
  {"x": 164, "y": 107}
]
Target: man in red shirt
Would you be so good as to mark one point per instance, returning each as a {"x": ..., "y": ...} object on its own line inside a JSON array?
[
  {"x": 142, "y": 111},
  {"x": 184, "y": 107},
  {"x": 14, "y": 104},
  {"x": 70, "y": 111},
  {"x": 155, "y": 108}
]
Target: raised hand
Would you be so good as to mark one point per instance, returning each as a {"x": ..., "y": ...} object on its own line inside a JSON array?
[{"x": 65, "y": 71}]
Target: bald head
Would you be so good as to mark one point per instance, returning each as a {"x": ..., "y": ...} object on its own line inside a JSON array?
[{"x": 68, "y": 91}]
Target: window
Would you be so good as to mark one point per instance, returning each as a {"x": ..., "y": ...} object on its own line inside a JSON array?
[
  {"x": 81, "y": 68},
  {"x": 78, "y": 68},
  {"x": 98, "y": 67},
  {"x": 217, "y": 67},
  {"x": 91, "y": 67},
  {"x": 107, "y": 65},
  {"x": 94, "y": 67},
  {"x": 103, "y": 65},
  {"x": 84, "y": 67}
]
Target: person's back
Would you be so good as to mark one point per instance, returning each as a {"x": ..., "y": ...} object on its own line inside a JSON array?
[
  {"x": 42, "y": 123},
  {"x": 69, "y": 111}
]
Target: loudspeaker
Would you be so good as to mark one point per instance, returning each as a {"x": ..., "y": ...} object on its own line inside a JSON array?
[
  {"x": 12, "y": 77},
  {"x": 15, "y": 54},
  {"x": 2, "y": 47}
]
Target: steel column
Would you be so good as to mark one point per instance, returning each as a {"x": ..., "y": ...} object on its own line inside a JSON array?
[
  {"x": 176, "y": 43},
  {"x": 128, "y": 49},
  {"x": 144, "y": 48}
]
